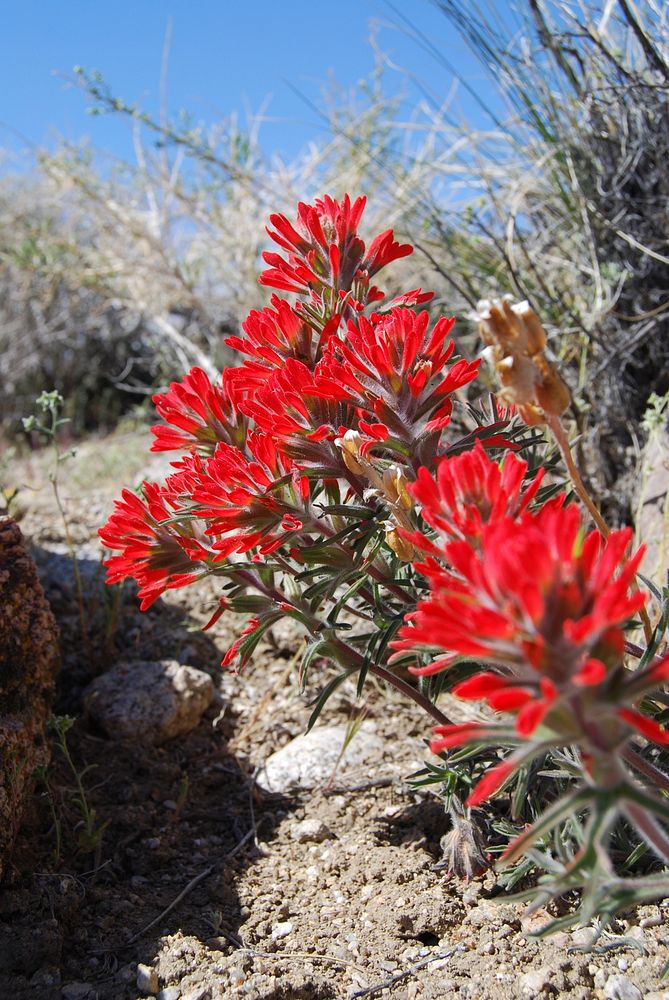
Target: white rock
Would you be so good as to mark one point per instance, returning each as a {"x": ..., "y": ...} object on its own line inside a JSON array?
[
  {"x": 310, "y": 831},
  {"x": 169, "y": 993},
  {"x": 152, "y": 701},
  {"x": 147, "y": 979},
  {"x": 621, "y": 988},
  {"x": 657, "y": 995},
  {"x": 584, "y": 937},
  {"x": 599, "y": 977},
  {"x": 532, "y": 983},
  {"x": 482, "y": 915},
  {"x": 199, "y": 993},
  {"x": 282, "y": 929},
  {"x": 310, "y": 759}
]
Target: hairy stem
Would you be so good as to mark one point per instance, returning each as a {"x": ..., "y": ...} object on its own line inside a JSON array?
[{"x": 557, "y": 429}]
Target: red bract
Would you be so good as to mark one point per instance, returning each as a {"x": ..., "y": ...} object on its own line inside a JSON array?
[
  {"x": 470, "y": 490},
  {"x": 545, "y": 604},
  {"x": 393, "y": 368},
  {"x": 298, "y": 412},
  {"x": 324, "y": 254},
  {"x": 242, "y": 499},
  {"x": 273, "y": 335},
  {"x": 198, "y": 415},
  {"x": 533, "y": 593},
  {"x": 157, "y": 550}
]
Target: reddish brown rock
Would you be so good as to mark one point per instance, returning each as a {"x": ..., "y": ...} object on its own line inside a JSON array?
[{"x": 29, "y": 658}]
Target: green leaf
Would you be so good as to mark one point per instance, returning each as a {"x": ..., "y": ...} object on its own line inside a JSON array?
[
  {"x": 327, "y": 691},
  {"x": 560, "y": 810}
]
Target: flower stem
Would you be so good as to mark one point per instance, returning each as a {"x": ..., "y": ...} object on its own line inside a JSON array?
[
  {"x": 351, "y": 657},
  {"x": 557, "y": 429}
]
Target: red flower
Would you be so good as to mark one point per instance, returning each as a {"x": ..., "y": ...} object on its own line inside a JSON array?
[
  {"x": 248, "y": 503},
  {"x": 393, "y": 368},
  {"x": 233, "y": 652},
  {"x": 471, "y": 490},
  {"x": 324, "y": 254},
  {"x": 159, "y": 551},
  {"x": 300, "y": 413},
  {"x": 273, "y": 335},
  {"x": 198, "y": 415},
  {"x": 532, "y": 593}
]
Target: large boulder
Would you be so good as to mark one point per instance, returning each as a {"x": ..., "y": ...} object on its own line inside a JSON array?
[{"x": 29, "y": 659}]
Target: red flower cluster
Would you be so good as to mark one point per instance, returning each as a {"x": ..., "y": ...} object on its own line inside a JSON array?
[
  {"x": 159, "y": 552},
  {"x": 532, "y": 594},
  {"x": 198, "y": 415},
  {"x": 307, "y": 381},
  {"x": 469, "y": 491},
  {"x": 325, "y": 257},
  {"x": 247, "y": 496},
  {"x": 392, "y": 368}
]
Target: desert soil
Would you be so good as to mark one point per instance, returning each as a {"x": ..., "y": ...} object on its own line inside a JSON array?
[{"x": 203, "y": 887}]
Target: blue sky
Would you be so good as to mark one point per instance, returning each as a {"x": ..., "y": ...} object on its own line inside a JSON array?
[{"x": 225, "y": 56}]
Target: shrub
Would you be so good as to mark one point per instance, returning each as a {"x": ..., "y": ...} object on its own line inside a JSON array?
[{"x": 324, "y": 479}]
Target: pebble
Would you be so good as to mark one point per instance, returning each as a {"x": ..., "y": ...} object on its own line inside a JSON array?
[
  {"x": 147, "y": 979},
  {"x": 636, "y": 933},
  {"x": 621, "y": 988},
  {"x": 481, "y": 915},
  {"x": 282, "y": 929},
  {"x": 584, "y": 937},
  {"x": 169, "y": 993},
  {"x": 151, "y": 701},
  {"x": 78, "y": 991},
  {"x": 310, "y": 759},
  {"x": 310, "y": 831},
  {"x": 531, "y": 984},
  {"x": 199, "y": 993}
]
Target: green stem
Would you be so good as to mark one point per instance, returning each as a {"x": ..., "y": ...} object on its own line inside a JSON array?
[{"x": 350, "y": 657}]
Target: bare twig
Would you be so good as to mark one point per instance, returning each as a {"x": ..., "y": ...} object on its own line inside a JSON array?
[{"x": 387, "y": 983}]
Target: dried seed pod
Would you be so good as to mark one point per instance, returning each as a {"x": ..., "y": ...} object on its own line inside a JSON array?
[
  {"x": 516, "y": 340},
  {"x": 462, "y": 847}
]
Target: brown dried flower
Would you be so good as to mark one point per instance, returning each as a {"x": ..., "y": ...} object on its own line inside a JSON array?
[{"x": 515, "y": 342}]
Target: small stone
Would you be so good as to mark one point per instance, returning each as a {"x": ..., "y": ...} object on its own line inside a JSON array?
[
  {"x": 311, "y": 759},
  {"x": 621, "y": 988},
  {"x": 147, "y": 979},
  {"x": 584, "y": 937},
  {"x": 310, "y": 831},
  {"x": 152, "y": 701},
  {"x": 636, "y": 933},
  {"x": 169, "y": 993},
  {"x": 531, "y": 984},
  {"x": 78, "y": 991},
  {"x": 657, "y": 995},
  {"x": 481, "y": 915},
  {"x": 471, "y": 893},
  {"x": 199, "y": 993},
  {"x": 282, "y": 929}
]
